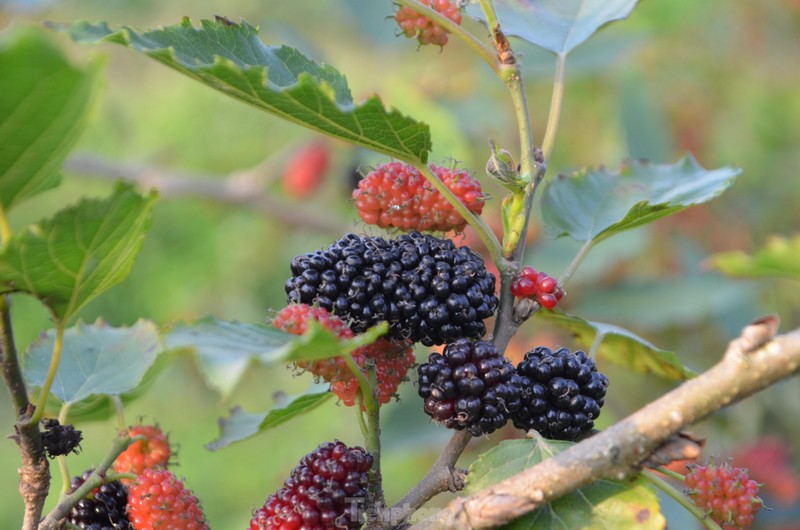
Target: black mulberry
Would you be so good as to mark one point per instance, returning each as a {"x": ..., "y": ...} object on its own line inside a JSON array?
[
  {"x": 562, "y": 393},
  {"x": 103, "y": 509},
  {"x": 428, "y": 290},
  {"x": 327, "y": 490},
  {"x": 469, "y": 386}
]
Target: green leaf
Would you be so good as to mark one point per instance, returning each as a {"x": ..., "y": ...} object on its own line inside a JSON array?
[
  {"x": 43, "y": 110},
  {"x": 621, "y": 346},
  {"x": 95, "y": 359},
  {"x": 555, "y": 25},
  {"x": 280, "y": 80},
  {"x": 242, "y": 425},
  {"x": 594, "y": 204},
  {"x": 226, "y": 349},
  {"x": 81, "y": 252},
  {"x": 780, "y": 258},
  {"x": 603, "y": 505}
]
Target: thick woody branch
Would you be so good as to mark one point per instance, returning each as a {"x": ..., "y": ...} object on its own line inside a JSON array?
[
  {"x": 754, "y": 361},
  {"x": 243, "y": 189}
]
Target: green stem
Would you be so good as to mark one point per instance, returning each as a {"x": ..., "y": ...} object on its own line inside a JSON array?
[
  {"x": 51, "y": 373},
  {"x": 477, "y": 223},
  {"x": 374, "y": 445},
  {"x": 96, "y": 479},
  {"x": 362, "y": 423},
  {"x": 119, "y": 408},
  {"x": 570, "y": 270},
  {"x": 5, "y": 227},
  {"x": 62, "y": 459},
  {"x": 484, "y": 51},
  {"x": 681, "y": 499},
  {"x": 489, "y": 11},
  {"x": 363, "y": 383},
  {"x": 555, "y": 107},
  {"x": 670, "y": 473}
]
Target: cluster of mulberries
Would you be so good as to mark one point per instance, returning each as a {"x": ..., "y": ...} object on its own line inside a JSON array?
[
  {"x": 428, "y": 290},
  {"x": 396, "y": 195},
  {"x": 471, "y": 386},
  {"x": 158, "y": 500},
  {"x": 327, "y": 490},
  {"x": 727, "y": 494},
  {"x": 150, "y": 452},
  {"x": 391, "y": 359},
  {"x": 537, "y": 285},
  {"x": 424, "y": 29},
  {"x": 562, "y": 393},
  {"x": 103, "y": 509},
  {"x": 294, "y": 319}
]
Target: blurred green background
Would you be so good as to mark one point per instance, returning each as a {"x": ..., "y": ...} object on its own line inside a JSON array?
[{"x": 716, "y": 78}]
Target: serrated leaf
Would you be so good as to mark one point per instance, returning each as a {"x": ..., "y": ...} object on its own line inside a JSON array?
[
  {"x": 226, "y": 349},
  {"x": 603, "y": 505},
  {"x": 594, "y": 204},
  {"x": 780, "y": 258},
  {"x": 230, "y": 57},
  {"x": 555, "y": 25},
  {"x": 241, "y": 425},
  {"x": 621, "y": 346},
  {"x": 82, "y": 251},
  {"x": 95, "y": 359},
  {"x": 43, "y": 110}
]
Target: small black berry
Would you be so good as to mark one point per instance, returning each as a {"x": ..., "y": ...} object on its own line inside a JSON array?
[
  {"x": 105, "y": 508},
  {"x": 562, "y": 393},
  {"x": 60, "y": 439},
  {"x": 470, "y": 385}
]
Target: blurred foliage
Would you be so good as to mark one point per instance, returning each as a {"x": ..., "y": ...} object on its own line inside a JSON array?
[{"x": 715, "y": 78}]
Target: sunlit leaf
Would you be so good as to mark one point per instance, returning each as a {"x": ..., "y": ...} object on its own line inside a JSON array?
[
  {"x": 603, "y": 505},
  {"x": 43, "y": 109},
  {"x": 780, "y": 258},
  {"x": 241, "y": 425},
  {"x": 620, "y": 346},
  {"x": 96, "y": 359},
  {"x": 555, "y": 25},
  {"x": 82, "y": 251},
  {"x": 596, "y": 203},
  {"x": 230, "y": 57}
]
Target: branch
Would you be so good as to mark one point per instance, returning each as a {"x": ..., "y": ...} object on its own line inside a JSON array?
[
  {"x": 34, "y": 473},
  {"x": 754, "y": 361},
  {"x": 440, "y": 478},
  {"x": 244, "y": 188}
]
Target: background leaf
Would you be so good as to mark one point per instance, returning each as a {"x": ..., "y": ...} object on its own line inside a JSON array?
[
  {"x": 780, "y": 258},
  {"x": 225, "y": 349},
  {"x": 43, "y": 110},
  {"x": 603, "y": 505},
  {"x": 595, "y": 203},
  {"x": 280, "y": 80},
  {"x": 621, "y": 346},
  {"x": 241, "y": 425},
  {"x": 96, "y": 359},
  {"x": 82, "y": 251},
  {"x": 555, "y": 25}
]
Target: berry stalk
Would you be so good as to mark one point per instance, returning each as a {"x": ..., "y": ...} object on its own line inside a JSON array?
[
  {"x": 680, "y": 498},
  {"x": 97, "y": 478},
  {"x": 480, "y": 48}
]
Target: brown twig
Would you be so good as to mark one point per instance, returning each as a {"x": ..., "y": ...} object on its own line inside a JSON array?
[
  {"x": 244, "y": 188},
  {"x": 34, "y": 473},
  {"x": 752, "y": 362}
]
